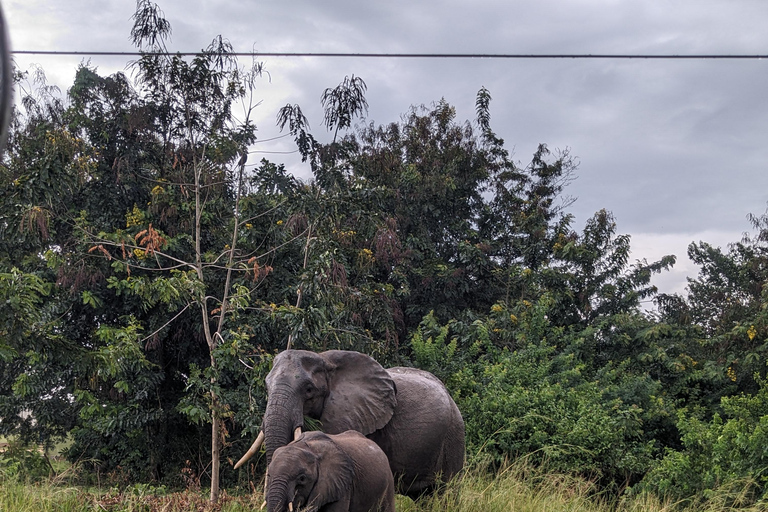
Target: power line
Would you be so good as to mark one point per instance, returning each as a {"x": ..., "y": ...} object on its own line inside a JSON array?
[
  {"x": 271, "y": 139},
  {"x": 699, "y": 56}
]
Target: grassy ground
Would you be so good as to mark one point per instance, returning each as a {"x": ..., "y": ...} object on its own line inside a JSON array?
[
  {"x": 516, "y": 488},
  {"x": 522, "y": 489},
  {"x": 17, "y": 497}
]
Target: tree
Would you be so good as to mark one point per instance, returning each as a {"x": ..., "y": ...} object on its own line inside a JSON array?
[
  {"x": 116, "y": 207},
  {"x": 39, "y": 178},
  {"x": 725, "y": 308},
  {"x": 197, "y": 139}
]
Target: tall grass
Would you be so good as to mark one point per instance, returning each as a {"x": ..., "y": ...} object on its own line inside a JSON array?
[
  {"x": 519, "y": 487},
  {"x": 18, "y": 496},
  {"x": 516, "y": 487}
]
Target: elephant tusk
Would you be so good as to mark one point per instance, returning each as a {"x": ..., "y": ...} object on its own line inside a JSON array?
[
  {"x": 290, "y": 507},
  {"x": 263, "y": 505},
  {"x": 296, "y": 433},
  {"x": 252, "y": 450}
]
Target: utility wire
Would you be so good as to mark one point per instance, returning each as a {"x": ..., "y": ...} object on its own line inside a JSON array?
[
  {"x": 271, "y": 139},
  {"x": 405, "y": 55}
]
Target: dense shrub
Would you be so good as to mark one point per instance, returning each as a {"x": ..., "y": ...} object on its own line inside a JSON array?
[
  {"x": 24, "y": 462},
  {"x": 725, "y": 456},
  {"x": 534, "y": 401}
]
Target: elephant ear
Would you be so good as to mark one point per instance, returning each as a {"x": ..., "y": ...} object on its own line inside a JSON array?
[
  {"x": 362, "y": 395},
  {"x": 336, "y": 470}
]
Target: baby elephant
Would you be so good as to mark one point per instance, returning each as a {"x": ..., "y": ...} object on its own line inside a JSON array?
[{"x": 323, "y": 472}]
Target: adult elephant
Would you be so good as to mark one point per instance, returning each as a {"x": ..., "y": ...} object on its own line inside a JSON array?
[
  {"x": 407, "y": 412},
  {"x": 318, "y": 471}
]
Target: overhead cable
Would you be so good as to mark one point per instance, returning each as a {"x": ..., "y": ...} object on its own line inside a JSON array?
[{"x": 403, "y": 55}]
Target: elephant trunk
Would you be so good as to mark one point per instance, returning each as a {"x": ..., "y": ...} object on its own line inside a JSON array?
[
  {"x": 284, "y": 413},
  {"x": 278, "y": 499}
]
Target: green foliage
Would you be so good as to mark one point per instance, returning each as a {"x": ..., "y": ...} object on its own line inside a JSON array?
[
  {"x": 534, "y": 402},
  {"x": 727, "y": 305},
  {"x": 343, "y": 103},
  {"x": 22, "y": 295},
  {"x": 33, "y": 359},
  {"x": 23, "y": 462},
  {"x": 724, "y": 457}
]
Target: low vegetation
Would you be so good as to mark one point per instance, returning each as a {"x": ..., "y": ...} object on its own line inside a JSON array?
[{"x": 518, "y": 487}]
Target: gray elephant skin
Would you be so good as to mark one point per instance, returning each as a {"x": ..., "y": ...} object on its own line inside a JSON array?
[
  {"x": 343, "y": 472},
  {"x": 407, "y": 412}
]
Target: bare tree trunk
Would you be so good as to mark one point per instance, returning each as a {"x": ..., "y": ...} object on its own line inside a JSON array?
[
  {"x": 215, "y": 419},
  {"x": 215, "y": 448},
  {"x": 209, "y": 338}
]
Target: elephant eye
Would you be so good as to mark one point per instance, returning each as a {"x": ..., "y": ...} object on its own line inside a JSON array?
[{"x": 302, "y": 479}]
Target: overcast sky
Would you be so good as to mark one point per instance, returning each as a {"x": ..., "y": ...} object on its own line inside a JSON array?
[{"x": 676, "y": 149}]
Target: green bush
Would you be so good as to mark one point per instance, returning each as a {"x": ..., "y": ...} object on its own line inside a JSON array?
[
  {"x": 725, "y": 458},
  {"x": 534, "y": 401},
  {"x": 24, "y": 462}
]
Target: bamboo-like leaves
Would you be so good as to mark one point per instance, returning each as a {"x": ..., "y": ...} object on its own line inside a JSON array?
[{"x": 343, "y": 103}]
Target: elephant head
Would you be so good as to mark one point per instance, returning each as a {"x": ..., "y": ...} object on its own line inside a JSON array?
[
  {"x": 344, "y": 390},
  {"x": 307, "y": 474}
]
